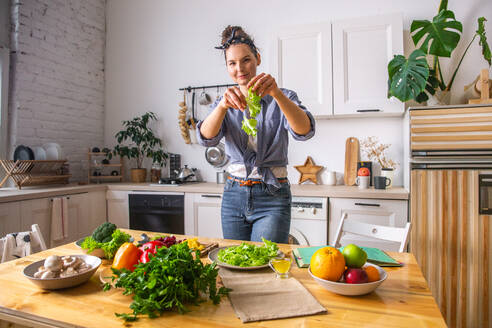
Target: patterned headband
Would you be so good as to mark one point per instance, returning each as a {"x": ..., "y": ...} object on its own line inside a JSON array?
[{"x": 233, "y": 39}]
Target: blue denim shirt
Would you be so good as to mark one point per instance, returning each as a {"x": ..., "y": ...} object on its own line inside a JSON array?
[{"x": 272, "y": 137}]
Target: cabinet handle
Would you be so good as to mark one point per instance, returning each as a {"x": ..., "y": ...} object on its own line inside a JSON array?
[
  {"x": 368, "y": 110},
  {"x": 212, "y": 196},
  {"x": 367, "y": 204}
]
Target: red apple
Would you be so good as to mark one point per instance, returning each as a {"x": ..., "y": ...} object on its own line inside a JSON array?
[{"x": 355, "y": 276}]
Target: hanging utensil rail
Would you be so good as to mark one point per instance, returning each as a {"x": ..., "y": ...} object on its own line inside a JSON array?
[{"x": 208, "y": 87}]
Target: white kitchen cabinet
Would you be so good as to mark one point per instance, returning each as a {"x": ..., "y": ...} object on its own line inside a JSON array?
[
  {"x": 10, "y": 218},
  {"x": 362, "y": 48},
  {"x": 386, "y": 212},
  {"x": 78, "y": 215},
  {"x": 118, "y": 209},
  {"x": 97, "y": 211},
  {"x": 86, "y": 211},
  {"x": 37, "y": 211},
  {"x": 302, "y": 63},
  {"x": 202, "y": 215}
]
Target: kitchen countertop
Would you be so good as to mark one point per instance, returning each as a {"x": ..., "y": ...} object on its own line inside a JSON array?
[
  {"x": 14, "y": 194},
  {"x": 403, "y": 300},
  {"x": 297, "y": 190},
  {"x": 306, "y": 190}
]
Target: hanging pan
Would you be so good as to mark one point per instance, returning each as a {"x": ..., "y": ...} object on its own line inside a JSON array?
[{"x": 216, "y": 156}]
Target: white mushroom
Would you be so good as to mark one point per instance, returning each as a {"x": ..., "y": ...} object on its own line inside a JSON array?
[
  {"x": 39, "y": 273},
  {"x": 69, "y": 261},
  {"x": 53, "y": 263},
  {"x": 48, "y": 274},
  {"x": 66, "y": 266},
  {"x": 83, "y": 267},
  {"x": 68, "y": 272}
]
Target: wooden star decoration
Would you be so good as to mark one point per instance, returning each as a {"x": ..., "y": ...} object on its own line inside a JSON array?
[{"x": 308, "y": 171}]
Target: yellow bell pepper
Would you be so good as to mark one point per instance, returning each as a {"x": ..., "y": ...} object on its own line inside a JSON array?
[
  {"x": 193, "y": 243},
  {"x": 126, "y": 257}
]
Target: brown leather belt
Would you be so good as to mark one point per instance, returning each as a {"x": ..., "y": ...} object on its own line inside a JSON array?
[{"x": 249, "y": 183}]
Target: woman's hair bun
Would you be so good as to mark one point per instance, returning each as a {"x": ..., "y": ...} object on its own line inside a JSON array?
[{"x": 235, "y": 34}]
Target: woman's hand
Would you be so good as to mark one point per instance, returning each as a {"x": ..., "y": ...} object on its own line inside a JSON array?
[
  {"x": 264, "y": 84},
  {"x": 233, "y": 98}
]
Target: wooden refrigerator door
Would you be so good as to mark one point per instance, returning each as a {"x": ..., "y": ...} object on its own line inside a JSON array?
[{"x": 451, "y": 242}]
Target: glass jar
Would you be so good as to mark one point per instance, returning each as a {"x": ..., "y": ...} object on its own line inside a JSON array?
[
  {"x": 155, "y": 173},
  {"x": 388, "y": 173}
]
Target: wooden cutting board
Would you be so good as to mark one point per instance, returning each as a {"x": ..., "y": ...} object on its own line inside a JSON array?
[{"x": 351, "y": 159}]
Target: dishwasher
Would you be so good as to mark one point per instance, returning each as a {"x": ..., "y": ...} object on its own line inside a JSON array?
[
  {"x": 309, "y": 221},
  {"x": 157, "y": 211}
]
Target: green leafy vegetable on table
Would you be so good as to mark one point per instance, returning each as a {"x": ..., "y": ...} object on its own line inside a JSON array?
[
  {"x": 118, "y": 237},
  {"x": 247, "y": 255},
  {"x": 171, "y": 278},
  {"x": 253, "y": 101},
  {"x": 104, "y": 232}
]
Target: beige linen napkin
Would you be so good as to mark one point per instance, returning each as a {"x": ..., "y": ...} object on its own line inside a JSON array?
[{"x": 259, "y": 295}]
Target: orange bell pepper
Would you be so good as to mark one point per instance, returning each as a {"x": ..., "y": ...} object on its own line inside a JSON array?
[{"x": 126, "y": 257}]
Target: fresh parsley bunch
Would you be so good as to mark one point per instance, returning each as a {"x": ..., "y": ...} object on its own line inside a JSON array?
[
  {"x": 253, "y": 101},
  {"x": 171, "y": 278},
  {"x": 247, "y": 255}
]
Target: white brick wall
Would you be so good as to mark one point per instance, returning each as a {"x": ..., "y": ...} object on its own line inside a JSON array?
[{"x": 57, "y": 92}]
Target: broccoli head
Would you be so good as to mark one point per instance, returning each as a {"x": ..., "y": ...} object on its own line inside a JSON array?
[{"x": 103, "y": 233}]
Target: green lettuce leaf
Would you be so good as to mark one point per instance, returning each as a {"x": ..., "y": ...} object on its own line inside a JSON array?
[
  {"x": 253, "y": 102},
  {"x": 247, "y": 255}
]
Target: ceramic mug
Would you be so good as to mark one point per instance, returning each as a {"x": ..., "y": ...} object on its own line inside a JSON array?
[
  {"x": 332, "y": 178},
  {"x": 363, "y": 182},
  {"x": 381, "y": 182},
  {"x": 386, "y": 172}
]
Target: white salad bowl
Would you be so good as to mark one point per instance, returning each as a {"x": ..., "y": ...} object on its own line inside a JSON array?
[
  {"x": 57, "y": 283},
  {"x": 343, "y": 288}
]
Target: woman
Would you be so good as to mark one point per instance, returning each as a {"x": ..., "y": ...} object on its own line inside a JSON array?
[{"x": 256, "y": 200}]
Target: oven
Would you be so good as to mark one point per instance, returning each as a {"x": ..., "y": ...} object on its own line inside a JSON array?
[{"x": 157, "y": 211}]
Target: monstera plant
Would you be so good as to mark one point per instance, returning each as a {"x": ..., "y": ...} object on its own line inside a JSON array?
[{"x": 412, "y": 77}]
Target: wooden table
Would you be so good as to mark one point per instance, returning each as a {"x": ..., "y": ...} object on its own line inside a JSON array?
[{"x": 403, "y": 300}]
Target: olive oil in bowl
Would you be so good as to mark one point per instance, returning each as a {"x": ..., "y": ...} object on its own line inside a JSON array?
[{"x": 281, "y": 266}]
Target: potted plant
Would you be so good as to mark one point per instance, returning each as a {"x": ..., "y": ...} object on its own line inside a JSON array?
[
  {"x": 143, "y": 143},
  {"x": 413, "y": 78}
]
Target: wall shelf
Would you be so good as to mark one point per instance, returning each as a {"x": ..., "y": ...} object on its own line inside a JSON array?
[{"x": 101, "y": 167}]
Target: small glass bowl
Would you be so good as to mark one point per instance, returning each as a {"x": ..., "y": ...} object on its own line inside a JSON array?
[{"x": 281, "y": 266}]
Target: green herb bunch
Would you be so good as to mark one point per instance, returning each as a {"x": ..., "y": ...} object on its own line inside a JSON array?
[
  {"x": 118, "y": 237},
  {"x": 246, "y": 255},
  {"x": 171, "y": 279},
  {"x": 253, "y": 101}
]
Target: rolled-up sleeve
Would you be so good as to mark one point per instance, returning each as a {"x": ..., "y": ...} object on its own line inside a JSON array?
[
  {"x": 208, "y": 142},
  {"x": 301, "y": 137}
]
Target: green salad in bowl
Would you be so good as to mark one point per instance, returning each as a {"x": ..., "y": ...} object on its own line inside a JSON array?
[{"x": 248, "y": 255}]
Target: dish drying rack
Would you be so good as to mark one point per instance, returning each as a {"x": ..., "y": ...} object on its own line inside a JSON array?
[{"x": 34, "y": 172}]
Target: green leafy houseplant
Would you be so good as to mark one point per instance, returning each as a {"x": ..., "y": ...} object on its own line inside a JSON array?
[
  {"x": 413, "y": 78},
  {"x": 143, "y": 142}
]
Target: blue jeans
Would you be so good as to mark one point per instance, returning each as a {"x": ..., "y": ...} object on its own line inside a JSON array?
[{"x": 252, "y": 212}]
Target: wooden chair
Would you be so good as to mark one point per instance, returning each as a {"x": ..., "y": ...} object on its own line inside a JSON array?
[
  {"x": 395, "y": 234},
  {"x": 12, "y": 247}
]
